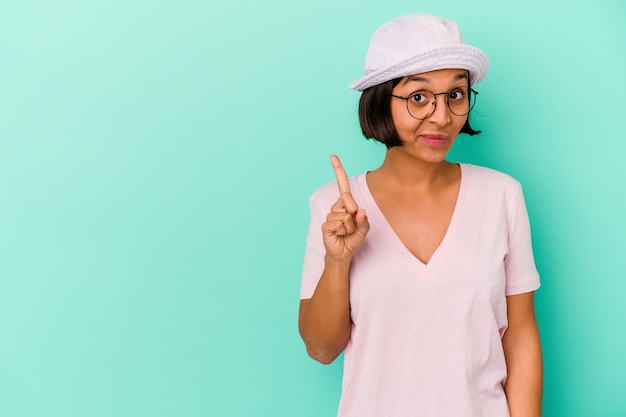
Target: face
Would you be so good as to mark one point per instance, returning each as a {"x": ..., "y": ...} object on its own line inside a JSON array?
[{"x": 429, "y": 139}]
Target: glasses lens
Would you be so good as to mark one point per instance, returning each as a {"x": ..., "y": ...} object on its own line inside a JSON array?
[
  {"x": 461, "y": 101},
  {"x": 421, "y": 104}
]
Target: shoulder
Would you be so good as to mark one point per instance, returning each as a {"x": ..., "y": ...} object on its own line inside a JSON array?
[
  {"x": 327, "y": 194},
  {"x": 492, "y": 186},
  {"x": 488, "y": 177}
]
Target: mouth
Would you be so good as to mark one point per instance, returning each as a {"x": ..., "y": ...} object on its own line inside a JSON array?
[{"x": 435, "y": 140}]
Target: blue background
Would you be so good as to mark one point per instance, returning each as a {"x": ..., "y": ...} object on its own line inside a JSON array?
[{"x": 156, "y": 158}]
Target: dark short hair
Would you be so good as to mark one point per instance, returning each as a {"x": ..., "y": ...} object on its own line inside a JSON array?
[{"x": 375, "y": 115}]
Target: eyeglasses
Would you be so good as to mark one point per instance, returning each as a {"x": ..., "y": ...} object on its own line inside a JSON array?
[{"x": 421, "y": 104}]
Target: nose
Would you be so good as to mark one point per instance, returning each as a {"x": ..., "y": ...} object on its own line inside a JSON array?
[{"x": 441, "y": 115}]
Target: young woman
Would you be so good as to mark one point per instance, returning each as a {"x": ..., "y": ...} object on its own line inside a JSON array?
[{"x": 422, "y": 269}]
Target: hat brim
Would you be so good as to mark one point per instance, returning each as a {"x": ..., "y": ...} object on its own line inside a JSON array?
[{"x": 451, "y": 56}]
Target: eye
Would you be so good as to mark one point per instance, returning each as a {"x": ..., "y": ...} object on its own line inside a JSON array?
[
  {"x": 419, "y": 97},
  {"x": 456, "y": 95}
]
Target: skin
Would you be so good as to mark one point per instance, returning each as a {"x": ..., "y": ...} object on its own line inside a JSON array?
[{"x": 413, "y": 178}]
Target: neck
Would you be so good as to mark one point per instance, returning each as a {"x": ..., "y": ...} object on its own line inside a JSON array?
[{"x": 405, "y": 171}]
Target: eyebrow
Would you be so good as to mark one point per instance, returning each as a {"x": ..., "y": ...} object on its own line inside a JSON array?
[{"x": 422, "y": 79}]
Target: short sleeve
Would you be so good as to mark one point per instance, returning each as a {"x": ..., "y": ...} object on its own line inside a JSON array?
[
  {"x": 319, "y": 204},
  {"x": 519, "y": 263}
]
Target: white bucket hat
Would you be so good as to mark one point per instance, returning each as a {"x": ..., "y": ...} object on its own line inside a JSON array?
[{"x": 418, "y": 43}]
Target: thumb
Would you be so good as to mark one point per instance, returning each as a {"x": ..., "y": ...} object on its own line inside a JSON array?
[{"x": 362, "y": 224}]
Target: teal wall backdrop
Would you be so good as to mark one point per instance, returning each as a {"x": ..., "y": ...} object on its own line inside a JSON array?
[{"x": 156, "y": 158}]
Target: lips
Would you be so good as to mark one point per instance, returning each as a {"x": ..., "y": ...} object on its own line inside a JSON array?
[{"x": 435, "y": 140}]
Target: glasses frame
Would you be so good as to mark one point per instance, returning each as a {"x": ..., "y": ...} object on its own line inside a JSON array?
[{"x": 434, "y": 103}]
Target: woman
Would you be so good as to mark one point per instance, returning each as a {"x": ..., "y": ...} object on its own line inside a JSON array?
[{"x": 422, "y": 270}]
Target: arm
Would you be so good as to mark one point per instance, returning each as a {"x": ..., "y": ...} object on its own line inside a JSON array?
[
  {"x": 324, "y": 320},
  {"x": 522, "y": 350}
]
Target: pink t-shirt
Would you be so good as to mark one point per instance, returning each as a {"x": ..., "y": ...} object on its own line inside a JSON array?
[{"x": 426, "y": 338}]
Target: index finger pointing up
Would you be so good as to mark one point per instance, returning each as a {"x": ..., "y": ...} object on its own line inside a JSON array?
[{"x": 340, "y": 173}]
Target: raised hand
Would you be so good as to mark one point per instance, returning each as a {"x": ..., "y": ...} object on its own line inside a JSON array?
[{"x": 346, "y": 225}]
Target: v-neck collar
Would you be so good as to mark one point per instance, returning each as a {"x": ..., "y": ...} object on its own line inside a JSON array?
[{"x": 377, "y": 216}]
